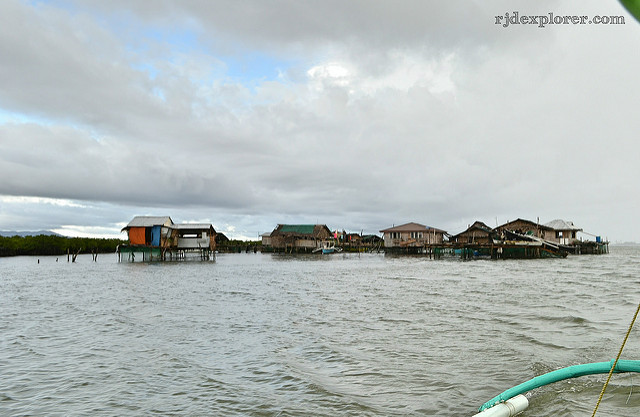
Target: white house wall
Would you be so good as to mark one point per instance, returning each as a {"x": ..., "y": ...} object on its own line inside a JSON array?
[{"x": 193, "y": 242}]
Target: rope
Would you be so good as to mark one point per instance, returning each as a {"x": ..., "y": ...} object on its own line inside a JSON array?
[{"x": 616, "y": 361}]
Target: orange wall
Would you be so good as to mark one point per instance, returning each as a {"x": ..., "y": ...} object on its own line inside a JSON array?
[{"x": 136, "y": 236}]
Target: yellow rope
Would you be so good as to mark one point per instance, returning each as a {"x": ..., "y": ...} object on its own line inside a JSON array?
[{"x": 615, "y": 362}]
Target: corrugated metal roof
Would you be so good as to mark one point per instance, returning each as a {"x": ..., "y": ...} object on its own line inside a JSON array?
[
  {"x": 149, "y": 221},
  {"x": 303, "y": 229},
  {"x": 412, "y": 227},
  {"x": 559, "y": 224},
  {"x": 194, "y": 226}
]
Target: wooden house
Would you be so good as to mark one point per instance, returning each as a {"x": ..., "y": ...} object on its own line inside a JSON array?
[
  {"x": 195, "y": 236},
  {"x": 372, "y": 240},
  {"x": 295, "y": 237},
  {"x": 158, "y": 238},
  {"x": 478, "y": 233},
  {"x": 353, "y": 239},
  {"x": 351, "y": 242},
  {"x": 412, "y": 235},
  {"x": 266, "y": 239},
  {"x": 524, "y": 227},
  {"x": 152, "y": 231},
  {"x": 565, "y": 232},
  {"x": 221, "y": 239}
]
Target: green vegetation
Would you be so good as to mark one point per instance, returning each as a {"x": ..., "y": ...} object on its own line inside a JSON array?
[
  {"x": 235, "y": 246},
  {"x": 55, "y": 245},
  {"x": 633, "y": 6}
]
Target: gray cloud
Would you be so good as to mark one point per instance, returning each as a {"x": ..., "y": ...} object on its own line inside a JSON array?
[
  {"x": 277, "y": 23},
  {"x": 385, "y": 113}
]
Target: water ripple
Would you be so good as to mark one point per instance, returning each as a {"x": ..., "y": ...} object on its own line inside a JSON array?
[{"x": 349, "y": 335}]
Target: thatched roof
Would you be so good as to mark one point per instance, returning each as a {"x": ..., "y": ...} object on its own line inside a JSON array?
[
  {"x": 221, "y": 237},
  {"x": 478, "y": 225},
  {"x": 529, "y": 222}
]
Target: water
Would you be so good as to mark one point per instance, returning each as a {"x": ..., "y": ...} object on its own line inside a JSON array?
[{"x": 340, "y": 335}]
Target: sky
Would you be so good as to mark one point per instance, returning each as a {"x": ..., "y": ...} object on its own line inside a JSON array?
[{"x": 359, "y": 114}]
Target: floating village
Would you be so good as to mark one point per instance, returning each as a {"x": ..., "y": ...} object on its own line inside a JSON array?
[{"x": 158, "y": 238}]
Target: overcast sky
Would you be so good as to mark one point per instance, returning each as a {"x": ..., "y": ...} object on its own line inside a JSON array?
[{"x": 358, "y": 114}]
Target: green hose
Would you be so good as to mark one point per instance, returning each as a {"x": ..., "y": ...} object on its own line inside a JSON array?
[{"x": 564, "y": 373}]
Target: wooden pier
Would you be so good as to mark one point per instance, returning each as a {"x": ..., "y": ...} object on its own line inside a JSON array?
[
  {"x": 588, "y": 248},
  {"x": 502, "y": 250},
  {"x": 132, "y": 253}
]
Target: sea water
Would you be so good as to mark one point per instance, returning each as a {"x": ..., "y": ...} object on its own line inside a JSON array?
[{"x": 312, "y": 335}]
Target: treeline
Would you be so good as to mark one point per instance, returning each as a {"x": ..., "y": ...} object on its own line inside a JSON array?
[
  {"x": 43, "y": 245},
  {"x": 237, "y": 246}
]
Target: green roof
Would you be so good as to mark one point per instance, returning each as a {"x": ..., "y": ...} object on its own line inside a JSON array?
[{"x": 303, "y": 229}]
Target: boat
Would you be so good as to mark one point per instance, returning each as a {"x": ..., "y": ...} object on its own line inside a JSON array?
[
  {"x": 327, "y": 248},
  {"x": 547, "y": 248}
]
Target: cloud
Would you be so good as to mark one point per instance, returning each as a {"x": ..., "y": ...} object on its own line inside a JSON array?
[
  {"x": 379, "y": 114},
  {"x": 280, "y": 23}
]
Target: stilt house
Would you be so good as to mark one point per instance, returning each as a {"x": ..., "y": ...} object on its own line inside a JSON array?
[
  {"x": 511, "y": 230},
  {"x": 412, "y": 235},
  {"x": 565, "y": 233},
  {"x": 477, "y": 233},
  {"x": 195, "y": 236},
  {"x": 153, "y": 231},
  {"x": 293, "y": 237},
  {"x": 157, "y": 237}
]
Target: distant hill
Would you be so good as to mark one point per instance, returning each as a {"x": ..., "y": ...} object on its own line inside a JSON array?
[{"x": 8, "y": 233}]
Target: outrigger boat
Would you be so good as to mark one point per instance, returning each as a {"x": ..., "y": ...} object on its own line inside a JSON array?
[{"x": 327, "y": 248}]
